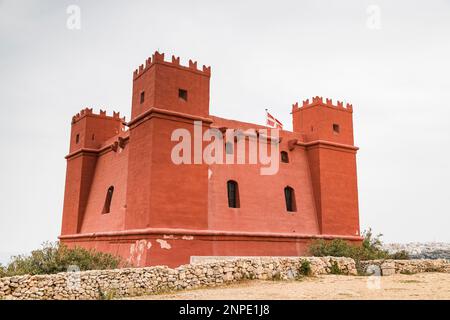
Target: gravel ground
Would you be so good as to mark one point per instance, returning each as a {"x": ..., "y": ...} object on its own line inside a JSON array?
[{"x": 399, "y": 286}]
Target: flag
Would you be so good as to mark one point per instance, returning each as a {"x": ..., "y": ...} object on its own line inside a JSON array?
[{"x": 273, "y": 122}]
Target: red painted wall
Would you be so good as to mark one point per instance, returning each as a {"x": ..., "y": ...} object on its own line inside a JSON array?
[
  {"x": 262, "y": 203},
  {"x": 111, "y": 170},
  {"x": 163, "y": 247},
  {"x": 179, "y": 193}
]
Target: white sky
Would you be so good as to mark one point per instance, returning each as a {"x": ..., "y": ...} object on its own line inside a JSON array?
[{"x": 262, "y": 55}]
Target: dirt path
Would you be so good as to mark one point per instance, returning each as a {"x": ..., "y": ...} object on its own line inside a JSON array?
[{"x": 418, "y": 286}]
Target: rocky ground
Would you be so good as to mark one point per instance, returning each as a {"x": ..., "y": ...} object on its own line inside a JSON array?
[
  {"x": 417, "y": 250},
  {"x": 399, "y": 286}
]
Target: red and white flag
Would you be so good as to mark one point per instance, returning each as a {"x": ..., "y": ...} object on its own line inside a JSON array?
[{"x": 273, "y": 122}]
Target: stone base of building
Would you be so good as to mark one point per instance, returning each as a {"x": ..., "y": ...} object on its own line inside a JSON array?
[{"x": 175, "y": 247}]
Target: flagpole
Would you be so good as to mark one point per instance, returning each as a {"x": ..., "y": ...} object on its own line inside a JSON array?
[{"x": 267, "y": 114}]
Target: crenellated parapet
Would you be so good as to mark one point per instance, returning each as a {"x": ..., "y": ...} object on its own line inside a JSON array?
[
  {"x": 102, "y": 114},
  {"x": 158, "y": 58},
  {"x": 318, "y": 101}
]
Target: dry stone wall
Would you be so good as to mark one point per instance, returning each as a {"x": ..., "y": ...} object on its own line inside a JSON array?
[
  {"x": 389, "y": 267},
  {"x": 151, "y": 280}
]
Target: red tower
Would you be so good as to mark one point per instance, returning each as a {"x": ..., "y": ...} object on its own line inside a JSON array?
[
  {"x": 89, "y": 131},
  {"x": 125, "y": 194},
  {"x": 328, "y": 132},
  {"x": 166, "y": 97}
]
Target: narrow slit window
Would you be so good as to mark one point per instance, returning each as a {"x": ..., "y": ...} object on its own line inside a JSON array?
[
  {"x": 77, "y": 138},
  {"x": 183, "y": 94},
  {"x": 233, "y": 194},
  {"x": 289, "y": 196},
  {"x": 336, "y": 128},
  {"x": 284, "y": 157},
  {"x": 109, "y": 195},
  {"x": 142, "y": 99}
]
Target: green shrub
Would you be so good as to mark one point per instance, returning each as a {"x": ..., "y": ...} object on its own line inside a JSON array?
[
  {"x": 334, "y": 248},
  {"x": 335, "y": 268},
  {"x": 2, "y": 271},
  {"x": 305, "y": 268},
  {"x": 56, "y": 257},
  {"x": 399, "y": 255},
  {"x": 370, "y": 249}
]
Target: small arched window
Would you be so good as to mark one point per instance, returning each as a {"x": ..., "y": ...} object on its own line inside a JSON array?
[
  {"x": 233, "y": 194},
  {"x": 284, "y": 157},
  {"x": 109, "y": 195},
  {"x": 289, "y": 196}
]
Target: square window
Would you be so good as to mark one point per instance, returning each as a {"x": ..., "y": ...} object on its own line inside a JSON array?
[
  {"x": 336, "y": 128},
  {"x": 284, "y": 157},
  {"x": 183, "y": 94}
]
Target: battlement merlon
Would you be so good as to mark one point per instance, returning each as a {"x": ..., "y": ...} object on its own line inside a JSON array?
[
  {"x": 158, "y": 58},
  {"x": 318, "y": 101},
  {"x": 88, "y": 112}
]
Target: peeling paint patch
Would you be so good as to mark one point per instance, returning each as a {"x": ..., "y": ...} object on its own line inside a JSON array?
[
  {"x": 164, "y": 244},
  {"x": 132, "y": 248},
  {"x": 187, "y": 238},
  {"x": 137, "y": 250}
]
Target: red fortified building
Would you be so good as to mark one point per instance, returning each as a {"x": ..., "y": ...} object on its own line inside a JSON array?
[{"x": 125, "y": 195}]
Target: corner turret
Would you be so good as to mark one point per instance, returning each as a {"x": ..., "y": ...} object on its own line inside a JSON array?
[
  {"x": 319, "y": 120},
  {"x": 170, "y": 86},
  {"x": 91, "y": 130}
]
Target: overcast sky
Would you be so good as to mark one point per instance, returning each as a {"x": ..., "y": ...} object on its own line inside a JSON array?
[{"x": 395, "y": 70}]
